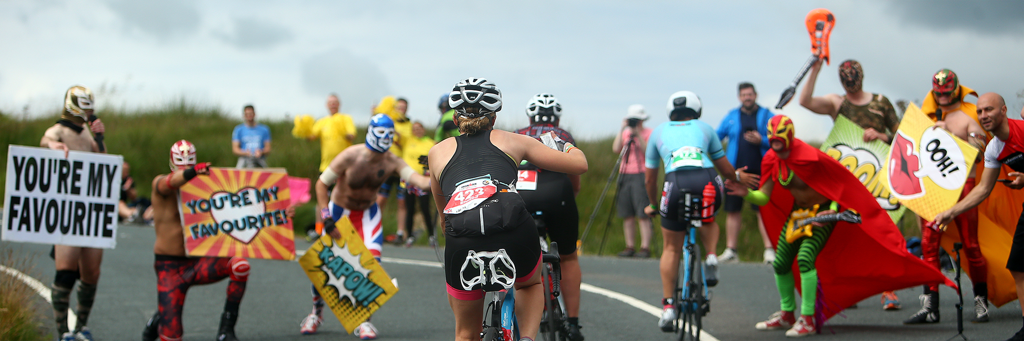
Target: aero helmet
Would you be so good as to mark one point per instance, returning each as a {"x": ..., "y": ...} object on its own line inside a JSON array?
[{"x": 684, "y": 104}]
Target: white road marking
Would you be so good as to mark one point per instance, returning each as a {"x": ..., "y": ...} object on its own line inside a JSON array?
[
  {"x": 629, "y": 300},
  {"x": 39, "y": 288}
]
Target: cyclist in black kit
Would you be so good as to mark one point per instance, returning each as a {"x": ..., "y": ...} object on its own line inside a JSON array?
[
  {"x": 554, "y": 195},
  {"x": 475, "y": 193}
]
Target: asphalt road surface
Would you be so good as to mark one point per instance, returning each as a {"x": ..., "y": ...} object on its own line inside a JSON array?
[{"x": 277, "y": 298}]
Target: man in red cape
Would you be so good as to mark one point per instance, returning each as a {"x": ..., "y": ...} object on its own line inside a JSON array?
[{"x": 824, "y": 186}]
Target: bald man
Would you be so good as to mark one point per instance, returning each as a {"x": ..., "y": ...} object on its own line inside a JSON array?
[{"x": 1006, "y": 148}]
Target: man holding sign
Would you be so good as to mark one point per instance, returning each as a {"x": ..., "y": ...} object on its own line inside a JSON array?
[
  {"x": 1005, "y": 149},
  {"x": 174, "y": 271},
  {"x": 357, "y": 173},
  {"x": 945, "y": 105},
  {"x": 74, "y": 263}
]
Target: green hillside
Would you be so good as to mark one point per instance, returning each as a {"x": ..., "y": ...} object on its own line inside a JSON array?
[{"x": 144, "y": 138}]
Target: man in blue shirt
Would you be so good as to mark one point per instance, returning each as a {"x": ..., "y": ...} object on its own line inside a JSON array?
[
  {"x": 250, "y": 141},
  {"x": 746, "y": 128}
]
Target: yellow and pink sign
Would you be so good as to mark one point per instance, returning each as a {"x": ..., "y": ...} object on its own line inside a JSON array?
[
  {"x": 237, "y": 213},
  {"x": 927, "y": 166}
]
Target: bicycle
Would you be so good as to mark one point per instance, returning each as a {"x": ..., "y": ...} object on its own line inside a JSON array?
[
  {"x": 552, "y": 324},
  {"x": 691, "y": 297},
  {"x": 496, "y": 276}
]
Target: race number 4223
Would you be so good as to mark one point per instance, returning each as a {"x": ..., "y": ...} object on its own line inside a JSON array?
[{"x": 469, "y": 194}]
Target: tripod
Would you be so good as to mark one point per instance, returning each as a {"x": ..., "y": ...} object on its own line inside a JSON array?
[
  {"x": 622, "y": 159},
  {"x": 959, "y": 294}
]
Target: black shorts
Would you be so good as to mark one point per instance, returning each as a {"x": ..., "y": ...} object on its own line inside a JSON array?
[
  {"x": 1016, "y": 260},
  {"x": 694, "y": 181},
  {"x": 518, "y": 238},
  {"x": 555, "y": 200},
  {"x": 735, "y": 204}
]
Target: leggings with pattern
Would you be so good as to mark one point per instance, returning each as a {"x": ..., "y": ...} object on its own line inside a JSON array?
[
  {"x": 176, "y": 274},
  {"x": 804, "y": 251}
]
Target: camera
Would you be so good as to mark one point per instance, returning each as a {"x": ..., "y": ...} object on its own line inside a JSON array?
[
  {"x": 633, "y": 122},
  {"x": 423, "y": 161}
]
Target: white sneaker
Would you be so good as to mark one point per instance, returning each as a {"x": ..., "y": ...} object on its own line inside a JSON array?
[
  {"x": 668, "y": 318},
  {"x": 711, "y": 270},
  {"x": 769, "y": 256},
  {"x": 83, "y": 335},
  {"x": 729, "y": 256},
  {"x": 310, "y": 324},
  {"x": 366, "y": 331}
]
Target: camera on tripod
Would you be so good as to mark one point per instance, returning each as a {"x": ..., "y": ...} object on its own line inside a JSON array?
[{"x": 633, "y": 122}]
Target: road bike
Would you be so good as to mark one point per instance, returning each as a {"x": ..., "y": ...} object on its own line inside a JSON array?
[
  {"x": 691, "y": 298},
  {"x": 495, "y": 273},
  {"x": 554, "y": 321}
]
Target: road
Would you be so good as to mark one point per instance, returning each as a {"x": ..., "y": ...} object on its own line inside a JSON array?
[{"x": 277, "y": 298}]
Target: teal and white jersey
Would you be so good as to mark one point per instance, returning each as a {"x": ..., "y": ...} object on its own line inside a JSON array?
[{"x": 683, "y": 145}]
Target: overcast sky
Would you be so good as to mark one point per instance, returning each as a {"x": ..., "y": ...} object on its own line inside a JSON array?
[{"x": 597, "y": 57}]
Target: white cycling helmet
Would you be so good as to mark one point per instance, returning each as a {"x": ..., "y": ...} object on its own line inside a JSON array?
[
  {"x": 683, "y": 104},
  {"x": 475, "y": 93},
  {"x": 543, "y": 108}
]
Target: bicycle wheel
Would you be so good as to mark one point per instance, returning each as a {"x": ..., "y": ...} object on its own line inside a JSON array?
[
  {"x": 694, "y": 304},
  {"x": 547, "y": 324}
]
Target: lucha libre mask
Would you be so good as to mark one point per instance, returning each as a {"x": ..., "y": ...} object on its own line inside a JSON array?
[
  {"x": 851, "y": 75},
  {"x": 780, "y": 128},
  {"x": 945, "y": 82},
  {"x": 381, "y": 133},
  {"x": 183, "y": 155}
]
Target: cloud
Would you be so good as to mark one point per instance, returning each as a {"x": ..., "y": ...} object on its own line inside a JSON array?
[
  {"x": 358, "y": 81},
  {"x": 161, "y": 19},
  {"x": 252, "y": 34},
  {"x": 996, "y": 17}
]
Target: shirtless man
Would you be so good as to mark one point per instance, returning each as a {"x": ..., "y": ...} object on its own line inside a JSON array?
[
  {"x": 946, "y": 106},
  {"x": 357, "y": 174},
  {"x": 175, "y": 272},
  {"x": 72, "y": 262}
]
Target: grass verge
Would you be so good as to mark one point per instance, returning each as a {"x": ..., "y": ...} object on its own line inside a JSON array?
[{"x": 18, "y": 321}]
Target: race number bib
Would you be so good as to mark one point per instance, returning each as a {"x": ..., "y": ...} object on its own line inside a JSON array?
[
  {"x": 469, "y": 194},
  {"x": 687, "y": 156},
  {"x": 527, "y": 180}
]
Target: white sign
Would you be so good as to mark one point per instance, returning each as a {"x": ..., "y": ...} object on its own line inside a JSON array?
[
  {"x": 942, "y": 160},
  {"x": 52, "y": 200}
]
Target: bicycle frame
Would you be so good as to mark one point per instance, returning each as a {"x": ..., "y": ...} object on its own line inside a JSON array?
[
  {"x": 551, "y": 274},
  {"x": 688, "y": 303}
]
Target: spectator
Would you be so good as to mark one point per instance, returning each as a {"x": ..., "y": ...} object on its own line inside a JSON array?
[
  {"x": 251, "y": 141},
  {"x": 415, "y": 155},
  {"x": 446, "y": 126},
  {"x": 130, "y": 206},
  {"x": 632, "y": 197},
  {"x": 395, "y": 109},
  {"x": 336, "y": 132},
  {"x": 746, "y": 128}
]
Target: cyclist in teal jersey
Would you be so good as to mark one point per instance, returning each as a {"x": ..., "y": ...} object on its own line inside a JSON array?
[{"x": 691, "y": 152}]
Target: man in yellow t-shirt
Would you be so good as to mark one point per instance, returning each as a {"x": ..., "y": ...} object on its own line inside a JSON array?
[
  {"x": 336, "y": 132},
  {"x": 395, "y": 109},
  {"x": 417, "y": 147}
]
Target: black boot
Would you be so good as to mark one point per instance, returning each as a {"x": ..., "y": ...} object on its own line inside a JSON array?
[
  {"x": 227, "y": 327},
  {"x": 151, "y": 332},
  {"x": 929, "y": 312},
  {"x": 572, "y": 331}
]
